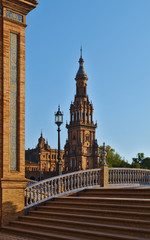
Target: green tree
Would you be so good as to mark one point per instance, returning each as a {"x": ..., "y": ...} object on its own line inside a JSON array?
[
  {"x": 145, "y": 163},
  {"x": 140, "y": 161},
  {"x": 113, "y": 159},
  {"x": 139, "y": 158},
  {"x": 135, "y": 165}
]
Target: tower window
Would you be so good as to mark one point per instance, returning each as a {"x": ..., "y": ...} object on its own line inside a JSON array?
[
  {"x": 87, "y": 138},
  {"x": 71, "y": 163},
  {"x": 74, "y": 137},
  {"x": 90, "y": 118},
  {"x": 72, "y": 117}
]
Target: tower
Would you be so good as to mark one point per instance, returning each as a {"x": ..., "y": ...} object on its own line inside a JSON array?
[
  {"x": 12, "y": 106},
  {"x": 81, "y": 148}
]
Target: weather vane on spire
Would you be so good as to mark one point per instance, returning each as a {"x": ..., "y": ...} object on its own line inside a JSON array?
[{"x": 81, "y": 51}]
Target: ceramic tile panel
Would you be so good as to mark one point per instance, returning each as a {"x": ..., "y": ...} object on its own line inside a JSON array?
[
  {"x": 1, "y": 11},
  {"x": 13, "y": 100},
  {"x": 14, "y": 16}
]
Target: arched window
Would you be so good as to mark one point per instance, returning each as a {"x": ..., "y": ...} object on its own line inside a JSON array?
[
  {"x": 71, "y": 163},
  {"x": 73, "y": 117},
  {"x": 74, "y": 136},
  {"x": 75, "y": 163},
  {"x": 90, "y": 118}
]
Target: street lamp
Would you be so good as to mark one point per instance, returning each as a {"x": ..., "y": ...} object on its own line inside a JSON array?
[
  {"x": 40, "y": 164},
  {"x": 59, "y": 121}
]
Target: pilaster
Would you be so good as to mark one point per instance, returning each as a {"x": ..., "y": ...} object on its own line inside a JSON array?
[
  {"x": 104, "y": 176},
  {"x": 12, "y": 106}
]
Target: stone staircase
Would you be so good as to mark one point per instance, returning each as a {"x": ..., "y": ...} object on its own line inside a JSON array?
[{"x": 102, "y": 213}]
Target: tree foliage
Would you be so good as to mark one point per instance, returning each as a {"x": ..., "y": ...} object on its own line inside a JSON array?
[
  {"x": 113, "y": 159},
  {"x": 141, "y": 161}
]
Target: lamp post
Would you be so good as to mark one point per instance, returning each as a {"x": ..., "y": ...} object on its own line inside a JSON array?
[
  {"x": 40, "y": 164},
  {"x": 59, "y": 121}
]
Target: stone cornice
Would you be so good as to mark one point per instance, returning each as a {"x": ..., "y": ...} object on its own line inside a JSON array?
[{"x": 21, "y": 6}]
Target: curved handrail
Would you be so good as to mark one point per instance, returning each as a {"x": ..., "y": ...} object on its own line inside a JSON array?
[
  {"x": 30, "y": 182},
  {"x": 129, "y": 176},
  {"x": 61, "y": 185},
  {"x": 135, "y": 169}
]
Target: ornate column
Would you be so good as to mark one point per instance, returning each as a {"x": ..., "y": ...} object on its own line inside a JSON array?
[{"x": 12, "y": 106}]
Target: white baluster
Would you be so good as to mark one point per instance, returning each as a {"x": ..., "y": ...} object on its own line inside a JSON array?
[
  {"x": 69, "y": 183},
  {"x": 62, "y": 184},
  {"x": 27, "y": 197},
  {"x": 33, "y": 194},
  {"x": 52, "y": 188},
  {"x": 93, "y": 178},
  {"x": 78, "y": 180},
  {"x": 44, "y": 190},
  {"x": 75, "y": 181},
  {"x": 49, "y": 189},
  {"x": 65, "y": 185},
  {"x": 30, "y": 199},
  {"x": 96, "y": 177},
  {"x": 55, "y": 186},
  {"x": 86, "y": 179}
]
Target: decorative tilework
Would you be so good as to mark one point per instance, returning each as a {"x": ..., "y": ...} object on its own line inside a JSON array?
[
  {"x": 14, "y": 16},
  {"x": 13, "y": 100},
  {"x": 1, "y": 11}
]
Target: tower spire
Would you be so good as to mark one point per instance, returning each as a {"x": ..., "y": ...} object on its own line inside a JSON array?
[
  {"x": 41, "y": 134},
  {"x": 81, "y": 72},
  {"x": 81, "y": 52}
]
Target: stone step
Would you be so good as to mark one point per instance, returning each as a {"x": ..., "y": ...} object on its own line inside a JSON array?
[
  {"x": 116, "y": 195},
  {"x": 78, "y": 233},
  {"x": 97, "y": 212},
  {"x": 113, "y": 190},
  {"x": 108, "y": 206},
  {"x": 130, "y": 201},
  {"x": 36, "y": 234},
  {"x": 126, "y": 230},
  {"x": 92, "y": 214},
  {"x": 89, "y": 218}
]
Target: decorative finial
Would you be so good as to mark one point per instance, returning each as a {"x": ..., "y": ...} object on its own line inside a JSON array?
[
  {"x": 104, "y": 154},
  {"x": 59, "y": 107},
  {"x": 81, "y": 52}
]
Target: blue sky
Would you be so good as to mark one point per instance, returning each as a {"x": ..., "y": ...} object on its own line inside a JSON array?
[{"x": 115, "y": 36}]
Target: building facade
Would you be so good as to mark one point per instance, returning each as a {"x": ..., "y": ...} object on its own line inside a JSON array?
[
  {"x": 12, "y": 106},
  {"x": 42, "y": 160},
  {"x": 81, "y": 148}
]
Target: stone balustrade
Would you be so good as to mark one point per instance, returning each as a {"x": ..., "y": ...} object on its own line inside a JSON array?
[
  {"x": 73, "y": 182},
  {"x": 128, "y": 176},
  {"x": 61, "y": 185}
]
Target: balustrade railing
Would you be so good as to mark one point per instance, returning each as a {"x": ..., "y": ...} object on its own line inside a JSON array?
[
  {"x": 129, "y": 176},
  {"x": 61, "y": 185}
]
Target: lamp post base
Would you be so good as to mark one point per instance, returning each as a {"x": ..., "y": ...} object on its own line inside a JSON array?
[{"x": 59, "y": 168}]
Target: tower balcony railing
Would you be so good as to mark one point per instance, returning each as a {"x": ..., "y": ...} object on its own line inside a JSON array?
[
  {"x": 61, "y": 185},
  {"x": 129, "y": 176}
]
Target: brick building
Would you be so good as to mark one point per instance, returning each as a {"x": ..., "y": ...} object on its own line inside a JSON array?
[
  {"x": 42, "y": 158},
  {"x": 81, "y": 148}
]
